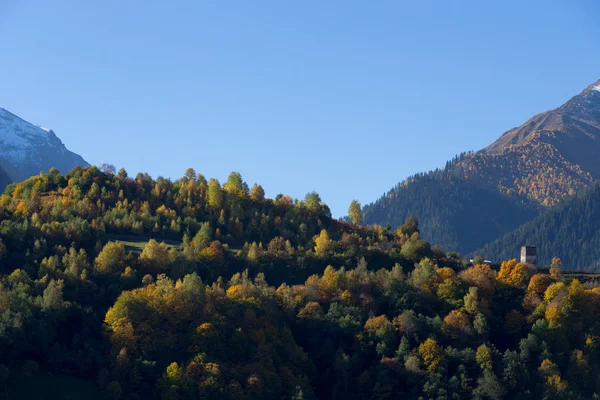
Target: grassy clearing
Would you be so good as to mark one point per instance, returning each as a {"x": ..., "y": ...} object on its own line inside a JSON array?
[{"x": 136, "y": 244}]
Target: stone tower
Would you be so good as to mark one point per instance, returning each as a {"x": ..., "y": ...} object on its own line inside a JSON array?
[{"x": 529, "y": 255}]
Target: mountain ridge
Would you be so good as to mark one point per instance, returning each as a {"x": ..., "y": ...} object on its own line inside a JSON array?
[
  {"x": 27, "y": 149},
  {"x": 549, "y": 158}
]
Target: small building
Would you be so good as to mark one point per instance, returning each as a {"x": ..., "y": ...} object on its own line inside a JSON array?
[{"x": 529, "y": 255}]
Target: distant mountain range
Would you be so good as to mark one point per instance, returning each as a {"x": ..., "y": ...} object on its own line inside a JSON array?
[
  {"x": 478, "y": 197},
  {"x": 27, "y": 149}
]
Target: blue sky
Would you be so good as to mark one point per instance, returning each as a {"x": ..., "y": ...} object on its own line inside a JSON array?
[{"x": 342, "y": 97}]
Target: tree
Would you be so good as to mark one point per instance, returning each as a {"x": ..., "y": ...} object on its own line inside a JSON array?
[
  {"x": 203, "y": 238},
  {"x": 53, "y": 295},
  {"x": 432, "y": 354},
  {"x": 108, "y": 169},
  {"x": 355, "y": 212},
  {"x": 411, "y": 226},
  {"x": 235, "y": 184},
  {"x": 111, "y": 259},
  {"x": 323, "y": 244},
  {"x": 488, "y": 387},
  {"x": 556, "y": 268},
  {"x": 277, "y": 246},
  {"x": 514, "y": 273},
  {"x": 457, "y": 325},
  {"x": 156, "y": 256},
  {"x": 312, "y": 200},
  {"x": 484, "y": 357},
  {"x": 75, "y": 262},
  {"x": 215, "y": 195},
  {"x": 190, "y": 174},
  {"x": 415, "y": 248},
  {"x": 423, "y": 274},
  {"x": 257, "y": 193},
  {"x": 482, "y": 277}
]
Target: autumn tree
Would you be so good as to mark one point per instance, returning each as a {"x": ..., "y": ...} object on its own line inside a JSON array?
[
  {"x": 432, "y": 354},
  {"x": 514, "y": 273},
  {"x": 323, "y": 244},
  {"x": 257, "y": 193},
  {"x": 457, "y": 325},
  {"x": 111, "y": 259},
  {"x": 156, "y": 256},
  {"x": 355, "y": 212},
  {"x": 556, "y": 268},
  {"x": 482, "y": 277}
]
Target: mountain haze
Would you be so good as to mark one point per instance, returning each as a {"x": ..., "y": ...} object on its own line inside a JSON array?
[
  {"x": 483, "y": 195},
  {"x": 27, "y": 149}
]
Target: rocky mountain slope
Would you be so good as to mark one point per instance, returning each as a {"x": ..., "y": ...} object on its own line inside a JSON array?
[
  {"x": 27, "y": 149},
  {"x": 528, "y": 169}
]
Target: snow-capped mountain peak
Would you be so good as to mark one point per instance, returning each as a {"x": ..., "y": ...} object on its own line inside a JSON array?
[{"x": 27, "y": 149}]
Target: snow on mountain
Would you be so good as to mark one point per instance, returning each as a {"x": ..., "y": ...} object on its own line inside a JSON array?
[{"x": 27, "y": 149}]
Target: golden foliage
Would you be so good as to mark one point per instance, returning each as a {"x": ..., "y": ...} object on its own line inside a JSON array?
[
  {"x": 482, "y": 277},
  {"x": 515, "y": 274},
  {"x": 432, "y": 354},
  {"x": 375, "y": 323}
]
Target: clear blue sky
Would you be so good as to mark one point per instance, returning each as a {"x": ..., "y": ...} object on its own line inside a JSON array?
[{"x": 345, "y": 98}]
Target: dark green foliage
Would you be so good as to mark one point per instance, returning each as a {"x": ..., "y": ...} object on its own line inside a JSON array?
[
  {"x": 570, "y": 231},
  {"x": 453, "y": 212}
]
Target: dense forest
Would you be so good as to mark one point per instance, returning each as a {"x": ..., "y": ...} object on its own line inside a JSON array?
[
  {"x": 569, "y": 231},
  {"x": 131, "y": 288},
  {"x": 458, "y": 206}
]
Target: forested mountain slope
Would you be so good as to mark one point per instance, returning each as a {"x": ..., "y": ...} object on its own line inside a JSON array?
[
  {"x": 452, "y": 210},
  {"x": 189, "y": 289},
  {"x": 4, "y": 179},
  {"x": 530, "y": 168},
  {"x": 570, "y": 231}
]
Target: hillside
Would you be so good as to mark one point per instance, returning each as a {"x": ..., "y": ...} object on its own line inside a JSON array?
[
  {"x": 528, "y": 169},
  {"x": 452, "y": 211},
  {"x": 570, "y": 231},
  {"x": 26, "y": 149},
  {"x": 4, "y": 179},
  {"x": 134, "y": 288}
]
